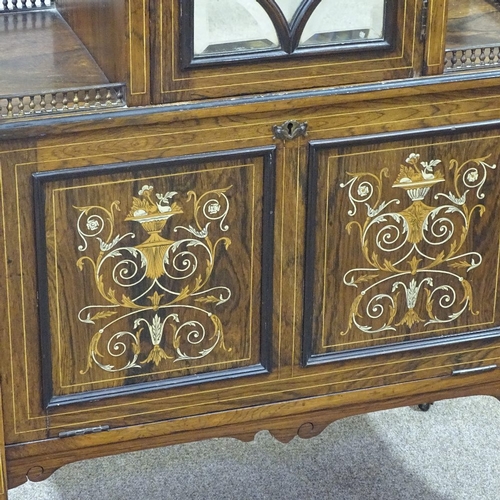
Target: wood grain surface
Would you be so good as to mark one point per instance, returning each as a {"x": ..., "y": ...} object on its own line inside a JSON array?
[
  {"x": 89, "y": 202},
  {"x": 153, "y": 138},
  {"x": 165, "y": 290},
  {"x": 405, "y": 235},
  {"x": 117, "y": 35},
  {"x": 39, "y": 52},
  {"x": 473, "y": 24}
]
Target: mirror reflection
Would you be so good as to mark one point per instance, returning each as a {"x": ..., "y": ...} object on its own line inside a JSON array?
[{"x": 244, "y": 26}]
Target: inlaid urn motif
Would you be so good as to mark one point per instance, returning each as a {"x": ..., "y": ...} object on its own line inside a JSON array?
[
  {"x": 158, "y": 289},
  {"x": 418, "y": 260}
]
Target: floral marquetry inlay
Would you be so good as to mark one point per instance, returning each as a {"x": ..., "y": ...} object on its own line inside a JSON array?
[
  {"x": 159, "y": 286},
  {"x": 418, "y": 260}
]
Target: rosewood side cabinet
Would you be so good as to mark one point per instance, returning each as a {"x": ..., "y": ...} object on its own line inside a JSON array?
[{"x": 223, "y": 216}]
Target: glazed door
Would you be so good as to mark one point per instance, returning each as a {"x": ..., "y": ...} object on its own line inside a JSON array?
[{"x": 404, "y": 251}]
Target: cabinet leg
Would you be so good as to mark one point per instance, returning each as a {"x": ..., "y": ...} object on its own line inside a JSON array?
[{"x": 424, "y": 406}]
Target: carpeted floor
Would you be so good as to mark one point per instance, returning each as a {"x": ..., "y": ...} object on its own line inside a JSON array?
[{"x": 451, "y": 452}]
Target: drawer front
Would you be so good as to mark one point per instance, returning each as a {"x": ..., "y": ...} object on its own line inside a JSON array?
[{"x": 403, "y": 243}]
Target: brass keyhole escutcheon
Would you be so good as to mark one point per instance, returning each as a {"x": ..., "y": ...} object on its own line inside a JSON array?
[{"x": 289, "y": 130}]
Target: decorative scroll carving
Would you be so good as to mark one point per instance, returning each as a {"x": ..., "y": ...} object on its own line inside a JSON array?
[
  {"x": 160, "y": 284},
  {"x": 306, "y": 430},
  {"x": 417, "y": 260},
  {"x": 38, "y": 473},
  {"x": 290, "y": 130}
]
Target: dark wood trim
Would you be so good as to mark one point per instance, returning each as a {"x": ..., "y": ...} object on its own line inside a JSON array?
[
  {"x": 310, "y": 253},
  {"x": 129, "y": 390},
  {"x": 299, "y": 21},
  {"x": 391, "y": 21},
  {"x": 412, "y": 345},
  {"x": 279, "y": 21},
  {"x": 267, "y": 302},
  {"x": 310, "y": 359},
  {"x": 268, "y": 153},
  {"x": 42, "y": 284},
  {"x": 404, "y": 134},
  {"x": 186, "y": 23}
]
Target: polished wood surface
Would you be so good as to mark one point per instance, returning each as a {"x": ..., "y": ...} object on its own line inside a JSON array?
[
  {"x": 101, "y": 28},
  {"x": 410, "y": 260},
  {"x": 435, "y": 36},
  {"x": 116, "y": 33},
  {"x": 304, "y": 418},
  {"x": 179, "y": 292},
  {"x": 39, "y": 52},
  {"x": 400, "y": 57},
  {"x": 473, "y": 24},
  {"x": 158, "y": 136},
  {"x": 80, "y": 194}
]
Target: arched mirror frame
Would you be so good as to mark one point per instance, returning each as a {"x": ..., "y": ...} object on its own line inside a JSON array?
[{"x": 288, "y": 34}]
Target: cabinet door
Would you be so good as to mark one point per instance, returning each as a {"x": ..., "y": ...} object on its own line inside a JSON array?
[
  {"x": 403, "y": 243},
  {"x": 231, "y": 47},
  {"x": 154, "y": 275},
  {"x": 472, "y": 35}
]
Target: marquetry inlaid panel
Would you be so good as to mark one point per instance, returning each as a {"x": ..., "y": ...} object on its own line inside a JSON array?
[
  {"x": 404, "y": 242},
  {"x": 152, "y": 273}
]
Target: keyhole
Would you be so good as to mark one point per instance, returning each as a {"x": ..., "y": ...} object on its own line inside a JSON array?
[{"x": 289, "y": 130}]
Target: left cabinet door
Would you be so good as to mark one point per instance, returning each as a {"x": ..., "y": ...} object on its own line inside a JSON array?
[{"x": 151, "y": 276}]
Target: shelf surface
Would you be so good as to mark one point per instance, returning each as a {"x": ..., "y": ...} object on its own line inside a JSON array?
[
  {"x": 473, "y": 23},
  {"x": 39, "y": 52}
]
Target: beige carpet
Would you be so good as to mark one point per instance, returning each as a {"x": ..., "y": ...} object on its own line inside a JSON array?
[{"x": 451, "y": 452}]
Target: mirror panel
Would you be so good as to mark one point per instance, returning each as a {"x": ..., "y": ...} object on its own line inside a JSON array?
[
  {"x": 342, "y": 21},
  {"x": 231, "y": 26},
  {"x": 289, "y": 7}
]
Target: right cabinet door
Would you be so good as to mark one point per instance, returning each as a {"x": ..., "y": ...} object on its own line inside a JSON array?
[{"x": 403, "y": 243}]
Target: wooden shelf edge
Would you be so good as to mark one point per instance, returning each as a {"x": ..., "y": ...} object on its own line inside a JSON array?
[{"x": 248, "y": 105}]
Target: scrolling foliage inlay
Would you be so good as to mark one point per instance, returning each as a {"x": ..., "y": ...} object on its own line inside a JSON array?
[
  {"x": 165, "y": 279},
  {"x": 417, "y": 262}
]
